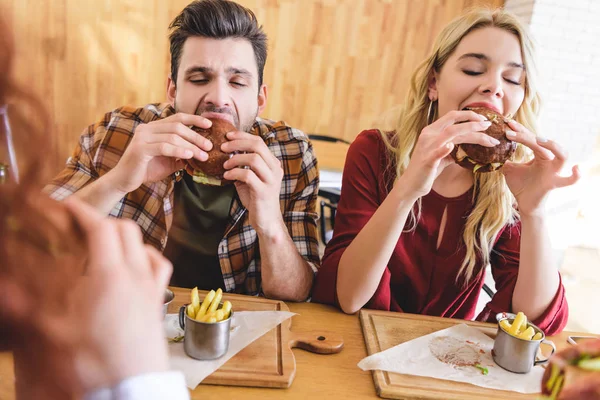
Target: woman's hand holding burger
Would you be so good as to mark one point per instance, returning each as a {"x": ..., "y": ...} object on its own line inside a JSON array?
[
  {"x": 531, "y": 182},
  {"x": 431, "y": 154}
]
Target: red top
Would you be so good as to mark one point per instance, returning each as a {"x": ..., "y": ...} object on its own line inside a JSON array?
[{"x": 419, "y": 278}]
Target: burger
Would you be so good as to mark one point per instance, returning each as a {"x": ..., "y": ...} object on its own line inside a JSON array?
[
  {"x": 210, "y": 172},
  {"x": 478, "y": 158},
  {"x": 574, "y": 373}
]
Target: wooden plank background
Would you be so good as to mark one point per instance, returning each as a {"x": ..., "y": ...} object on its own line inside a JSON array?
[{"x": 334, "y": 66}]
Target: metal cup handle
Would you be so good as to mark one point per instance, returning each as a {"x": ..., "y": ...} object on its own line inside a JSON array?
[
  {"x": 551, "y": 344},
  {"x": 182, "y": 317}
]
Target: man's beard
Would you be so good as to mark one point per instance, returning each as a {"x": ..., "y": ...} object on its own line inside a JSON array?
[{"x": 245, "y": 126}]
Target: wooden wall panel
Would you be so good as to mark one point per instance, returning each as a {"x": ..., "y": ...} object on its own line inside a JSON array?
[{"x": 334, "y": 65}]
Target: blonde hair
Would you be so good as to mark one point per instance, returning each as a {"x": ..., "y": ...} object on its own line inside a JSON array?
[{"x": 494, "y": 204}]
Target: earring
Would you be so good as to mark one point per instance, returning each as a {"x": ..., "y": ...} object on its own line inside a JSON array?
[{"x": 430, "y": 113}]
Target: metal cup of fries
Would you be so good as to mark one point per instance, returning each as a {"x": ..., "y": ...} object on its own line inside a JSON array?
[
  {"x": 206, "y": 326},
  {"x": 517, "y": 343}
]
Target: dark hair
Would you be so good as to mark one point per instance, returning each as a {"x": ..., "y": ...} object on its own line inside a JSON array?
[{"x": 217, "y": 19}]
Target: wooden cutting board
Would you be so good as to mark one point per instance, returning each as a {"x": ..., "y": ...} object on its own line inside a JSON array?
[
  {"x": 269, "y": 360},
  {"x": 383, "y": 330}
]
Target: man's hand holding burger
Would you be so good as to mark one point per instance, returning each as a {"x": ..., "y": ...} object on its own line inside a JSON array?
[
  {"x": 155, "y": 152},
  {"x": 157, "y": 149},
  {"x": 257, "y": 174}
]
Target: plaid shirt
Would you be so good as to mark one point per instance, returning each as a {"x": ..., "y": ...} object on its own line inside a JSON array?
[{"x": 102, "y": 144}]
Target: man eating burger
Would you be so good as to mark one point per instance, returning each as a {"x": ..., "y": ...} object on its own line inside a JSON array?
[{"x": 252, "y": 228}]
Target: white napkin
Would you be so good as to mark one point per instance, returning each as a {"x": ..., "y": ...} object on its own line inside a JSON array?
[
  {"x": 462, "y": 343},
  {"x": 246, "y": 327}
]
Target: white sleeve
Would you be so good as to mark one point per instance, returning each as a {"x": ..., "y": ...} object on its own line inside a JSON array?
[{"x": 155, "y": 386}]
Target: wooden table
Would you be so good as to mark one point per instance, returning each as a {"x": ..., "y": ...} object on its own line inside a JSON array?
[{"x": 317, "y": 376}]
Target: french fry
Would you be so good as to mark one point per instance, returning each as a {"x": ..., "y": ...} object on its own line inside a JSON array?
[
  {"x": 520, "y": 321},
  {"x": 208, "y": 311},
  {"x": 527, "y": 334},
  {"x": 204, "y": 318},
  {"x": 190, "y": 311},
  {"x": 215, "y": 302},
  {"x": 226, "y": 309},
  {"x": 200, "y": 317},
  {"x": 195, "y": 300},
  {"x": 207, "y": 300},
  {"x": 520, "y": 328}
]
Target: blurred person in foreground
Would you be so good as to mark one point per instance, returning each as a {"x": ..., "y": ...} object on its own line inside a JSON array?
[
  {"x": 80, "y": 295},
  {"x": 574, "y": 373}
]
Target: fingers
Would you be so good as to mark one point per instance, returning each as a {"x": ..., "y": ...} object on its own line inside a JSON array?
[
  {"x": 479, "y": 138},
  {"x": 510, "y": 166},
  {"x": 161, "y": 267},
  {"x": 16, "y": 305},
  {"x": 187, "y": 149},
  {"x": 439, "y": 154},
  {"x": 134, "y": 252},
  {"x": 522, "y": 135},
  {"x": 443, "y": 151},
  {"x": 115, "y": 245},
  {"x": 245, "y": 142},
  {"x": 469, "y": 132},
  {"x": 586, "y": 386},
  {"x": 466, "y": 127},
  {"x": 103, "y": 239},
  {"x": 252, "y": 160},
  {"x": 182, "y": 131},
  {"x": 86, "y": 216},
  {"x": 188, "y": 119},
  {"x": 560, "y": 154},
  {"x": 563, "y": 181},
  {"x": 169, "y": 150},
  {"x": 454, "y": 117},
  {"x": 243, "y": 175}
]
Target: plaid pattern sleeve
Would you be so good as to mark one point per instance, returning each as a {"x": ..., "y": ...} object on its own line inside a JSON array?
[
  {"x": 299, "y": 197},
  {"x": 79, "y": 170},
  {"x": 100, "y": 148}
]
